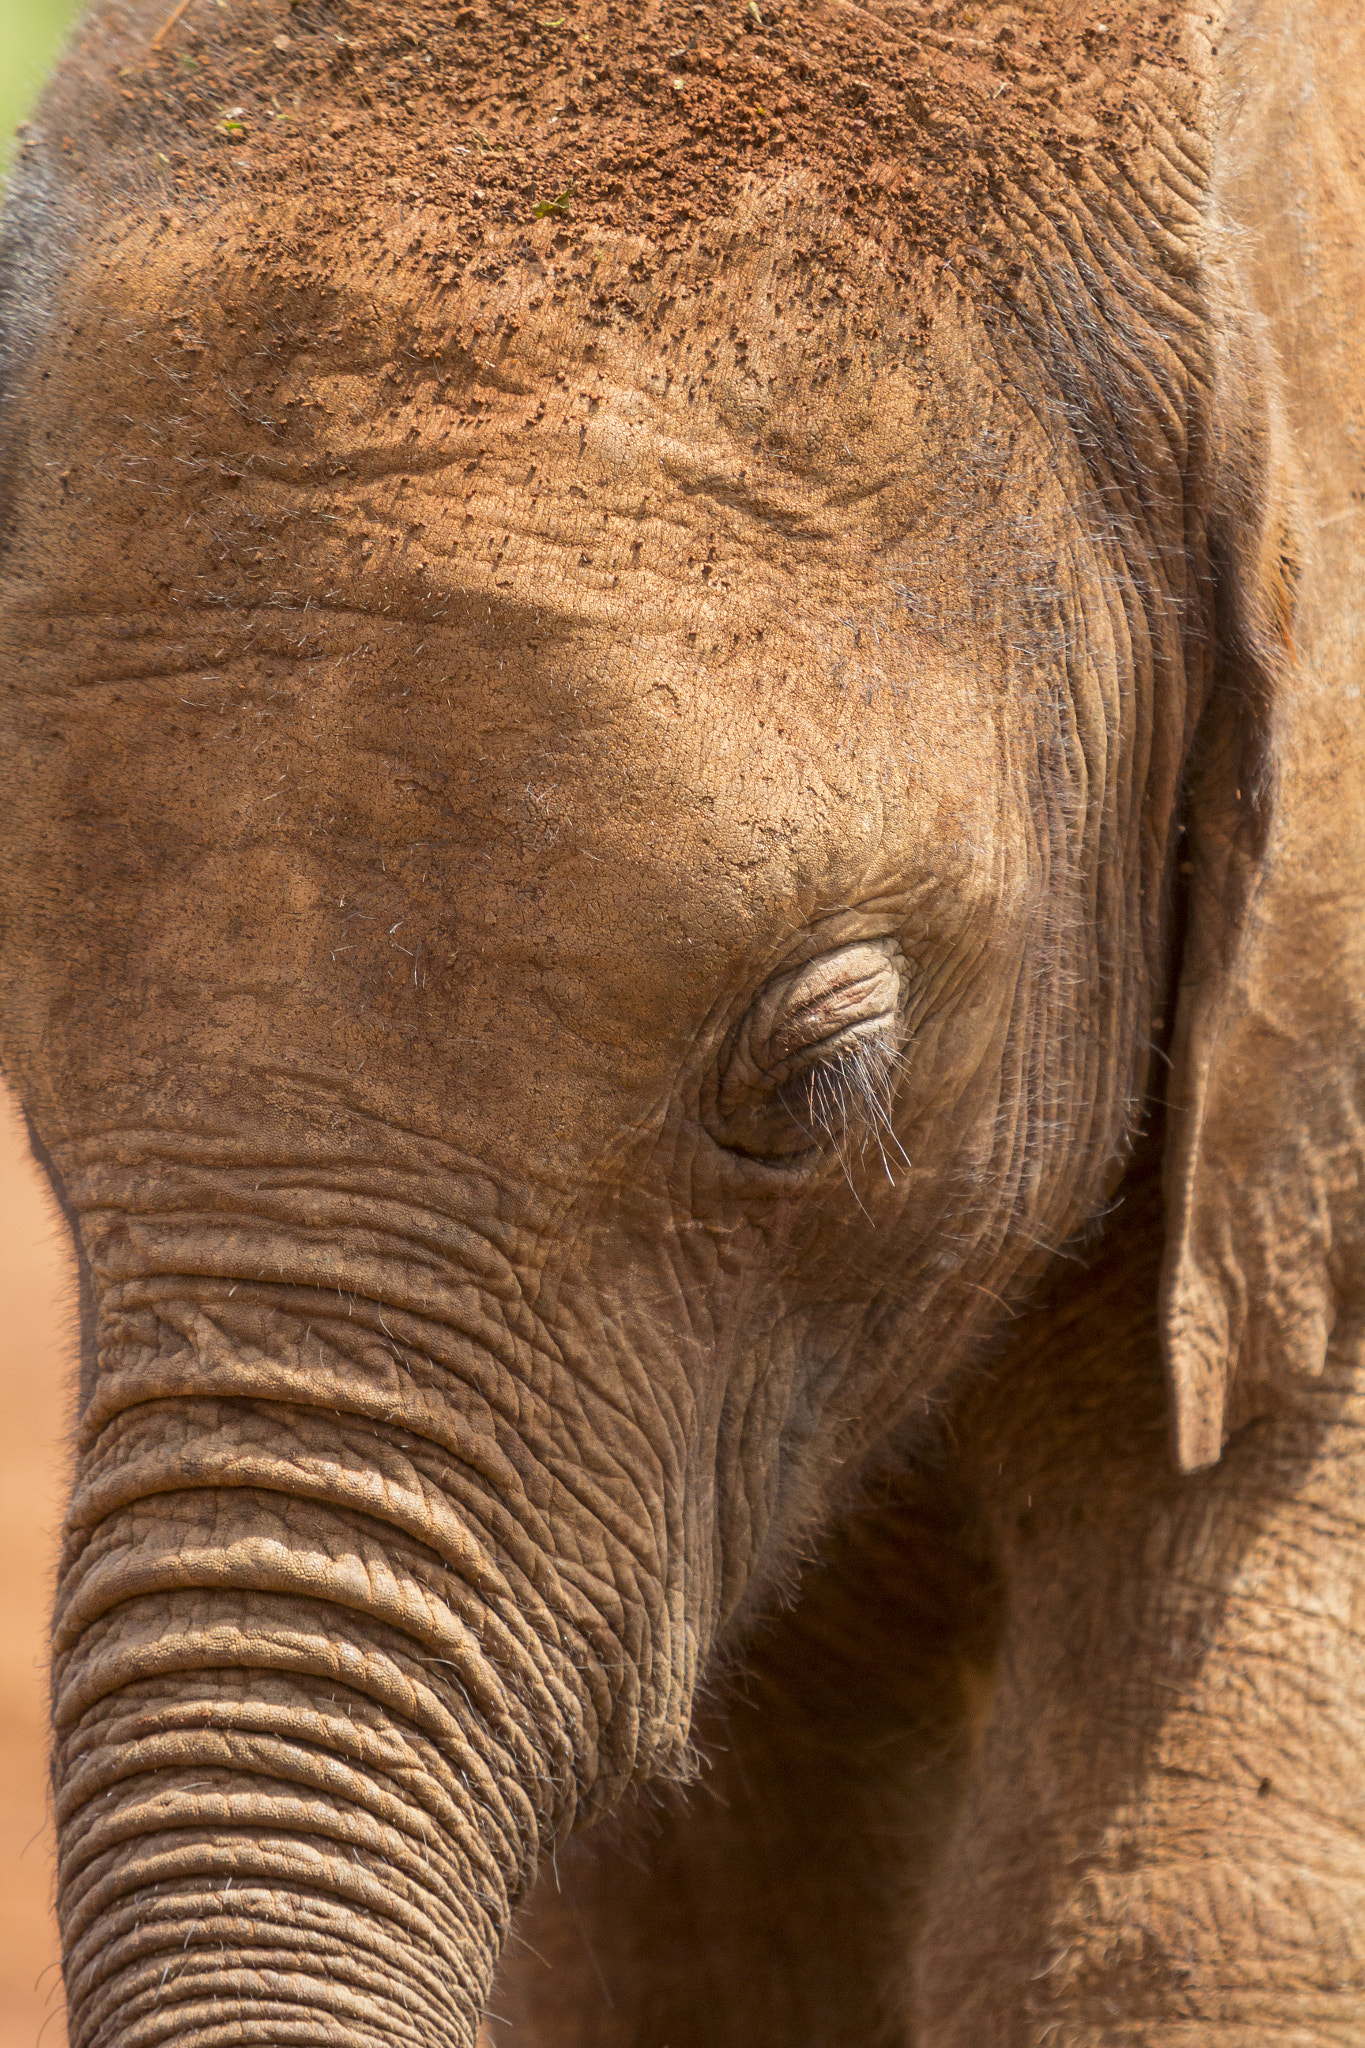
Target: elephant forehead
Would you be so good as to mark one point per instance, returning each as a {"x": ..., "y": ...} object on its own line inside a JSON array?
[
  {"x": 755, "y": 428},
  {"x": 413, "y": 662},
  {"x": 523, "y": 503}
]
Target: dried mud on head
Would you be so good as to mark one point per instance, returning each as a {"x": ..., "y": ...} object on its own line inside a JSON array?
[{"x": 917, "y": 126}]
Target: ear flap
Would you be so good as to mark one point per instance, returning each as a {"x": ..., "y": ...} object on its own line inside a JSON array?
[{"x": 1265, "y": 1158}]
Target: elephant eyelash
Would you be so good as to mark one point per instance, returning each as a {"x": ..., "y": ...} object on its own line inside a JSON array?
[{"x": 846, "y": 1098}]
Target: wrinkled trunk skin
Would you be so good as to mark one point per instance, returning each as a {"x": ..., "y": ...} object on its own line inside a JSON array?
[
  {"x": 321, "y": 1698},
  {"x": 305, "y": 1760}
]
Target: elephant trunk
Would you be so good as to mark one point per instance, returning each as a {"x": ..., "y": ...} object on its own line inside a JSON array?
[{"x": 321, "y": 1697}]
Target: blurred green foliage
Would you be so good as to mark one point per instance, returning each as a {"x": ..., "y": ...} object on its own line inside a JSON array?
[{"x": 31, "y": 35}]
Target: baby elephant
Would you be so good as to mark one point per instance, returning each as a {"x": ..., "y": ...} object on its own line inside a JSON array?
[{"x": 684, "y": 901}]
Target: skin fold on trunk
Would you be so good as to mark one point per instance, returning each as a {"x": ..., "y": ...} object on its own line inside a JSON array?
[{"x": 309, "y": 1742}]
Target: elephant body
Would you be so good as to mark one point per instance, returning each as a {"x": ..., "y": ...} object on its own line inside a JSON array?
[{"x": 683, "y": 931}]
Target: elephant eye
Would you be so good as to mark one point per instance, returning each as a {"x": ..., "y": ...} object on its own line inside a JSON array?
[{"x": 813, "y": 1064}]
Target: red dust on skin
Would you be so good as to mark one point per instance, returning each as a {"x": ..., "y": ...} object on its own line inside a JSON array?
[{"x": 917, "y": 122}]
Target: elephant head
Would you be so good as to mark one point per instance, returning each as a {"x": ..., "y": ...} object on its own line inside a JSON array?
[{"x": 600, "y": 850}]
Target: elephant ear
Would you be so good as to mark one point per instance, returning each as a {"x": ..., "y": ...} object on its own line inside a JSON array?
[{"x": 1265, "y": 1147}]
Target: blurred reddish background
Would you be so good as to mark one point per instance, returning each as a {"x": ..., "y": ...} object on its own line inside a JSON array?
[
  {"x": 36, "y": 1317},
  {"x": 37, "y": 1362}
]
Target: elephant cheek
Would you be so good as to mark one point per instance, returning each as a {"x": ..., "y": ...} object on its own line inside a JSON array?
[{"x": 316, "y": 1715}]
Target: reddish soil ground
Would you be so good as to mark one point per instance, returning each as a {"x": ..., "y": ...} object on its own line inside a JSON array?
[{"x": 36, "y": 1354}]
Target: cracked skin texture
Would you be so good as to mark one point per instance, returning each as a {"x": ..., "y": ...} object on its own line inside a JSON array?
[{"x": 519, "y": 638}]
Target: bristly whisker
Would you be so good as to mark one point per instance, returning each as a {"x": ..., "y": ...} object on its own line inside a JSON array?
[{"x": 854, "y": 1091}]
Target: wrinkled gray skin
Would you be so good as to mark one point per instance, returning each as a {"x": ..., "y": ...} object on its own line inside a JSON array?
[{"x": 567, "y": 1005}]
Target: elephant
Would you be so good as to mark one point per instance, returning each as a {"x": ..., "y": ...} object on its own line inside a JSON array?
[{"x": 683, "y": 891}]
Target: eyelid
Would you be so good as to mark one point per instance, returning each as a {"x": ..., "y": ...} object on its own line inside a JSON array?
[
  {"x": 811, "y": 1013},
  {"x": 854, "y": 990},
  {"x": 843, "y": 1006},
  {"x": 817, "y": 1036}
]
